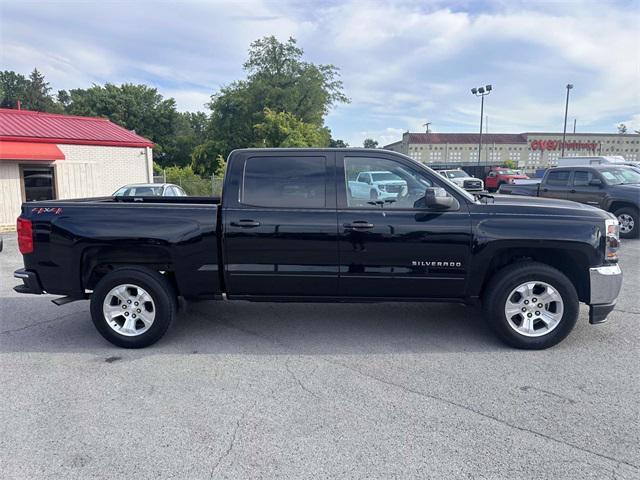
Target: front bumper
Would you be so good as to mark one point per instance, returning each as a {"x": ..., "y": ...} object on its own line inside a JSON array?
[
  {"x": 30, "y": 282},
  {"x": 605, "y": 284}
]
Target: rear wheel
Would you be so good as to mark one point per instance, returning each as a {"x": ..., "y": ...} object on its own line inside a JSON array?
[
  {"x": 133, "y": 307},
  {"x": 628, "y": 219},
  {"x": 531, "y": 305}
]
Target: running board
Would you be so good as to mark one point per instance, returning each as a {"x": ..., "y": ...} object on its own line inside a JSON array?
[{"x": 64, "y": 300}]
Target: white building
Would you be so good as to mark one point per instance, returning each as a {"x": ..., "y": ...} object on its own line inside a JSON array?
[{"x": 45, "y": 156}]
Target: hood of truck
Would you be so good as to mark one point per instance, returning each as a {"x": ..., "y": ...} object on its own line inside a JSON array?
[{"x": 542, "y": 206}]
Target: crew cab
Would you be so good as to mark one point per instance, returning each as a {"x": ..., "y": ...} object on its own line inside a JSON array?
[
  {"x": 290, "y": 228},
  {"x": 614, "y": 188},
  {"x": 499, "y": 176},
  {"x": 463, "y": 179}
]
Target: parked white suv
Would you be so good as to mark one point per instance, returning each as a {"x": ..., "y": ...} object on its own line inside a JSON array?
[{"x": 463, "y": 179}]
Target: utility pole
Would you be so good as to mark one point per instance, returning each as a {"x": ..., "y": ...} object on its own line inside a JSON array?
[{"x": 566, "y": 110}]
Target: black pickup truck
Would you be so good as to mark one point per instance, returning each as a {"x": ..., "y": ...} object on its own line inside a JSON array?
[
  {"x": 290, "y": 227},
  {"x": 612, "y": 188}
]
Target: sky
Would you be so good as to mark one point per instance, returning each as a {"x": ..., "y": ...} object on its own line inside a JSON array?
[{"x": 403, "y": 63}]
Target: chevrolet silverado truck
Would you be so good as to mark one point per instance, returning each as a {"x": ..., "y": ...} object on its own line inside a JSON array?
[
  {"x": 288, "y": 229},
  {"x": 614, "y": 188}
]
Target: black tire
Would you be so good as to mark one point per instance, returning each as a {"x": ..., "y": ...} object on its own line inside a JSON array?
[
  {"x": 506, "y": 280},
  {"x": 633, "y": 213},
  {"x": 164, "y": 304}
]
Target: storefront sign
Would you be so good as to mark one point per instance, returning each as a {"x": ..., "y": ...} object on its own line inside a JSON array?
[{"x": 557, "y": 145}]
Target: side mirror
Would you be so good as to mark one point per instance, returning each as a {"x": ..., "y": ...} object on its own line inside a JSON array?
[
  {"x": 595, "y": 182},
  {"x": 437, "y": 198}
]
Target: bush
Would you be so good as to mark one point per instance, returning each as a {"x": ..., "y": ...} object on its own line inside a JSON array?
[{"x": 193, "y": 184}]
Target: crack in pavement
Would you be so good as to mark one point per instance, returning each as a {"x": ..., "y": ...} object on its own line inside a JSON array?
[
  {"x": 33, "y": 325},
  {"x": 297, "y": 379},
  {"x": 478, "y": 412}
]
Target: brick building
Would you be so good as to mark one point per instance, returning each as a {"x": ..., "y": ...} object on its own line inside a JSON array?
[
  {"x": 46, "y": 156},
  {"x": 529, "y": 150}
]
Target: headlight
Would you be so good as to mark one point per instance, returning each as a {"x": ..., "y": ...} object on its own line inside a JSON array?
[
  {"x": 612, "y": 239},
  {"x": 382, "y": 188}
]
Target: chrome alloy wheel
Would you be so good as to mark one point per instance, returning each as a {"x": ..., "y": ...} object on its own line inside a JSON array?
[
  {"x": 129, "y": 310},
  {"x": 534, "y": 309},
  {"x": 626, "y": 223}
]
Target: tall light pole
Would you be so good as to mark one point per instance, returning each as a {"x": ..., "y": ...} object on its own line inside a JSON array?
[
  {"x": 566, "y": 110},
  {"x": 481, "y": 92}
]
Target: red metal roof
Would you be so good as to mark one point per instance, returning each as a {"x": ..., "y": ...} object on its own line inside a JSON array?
[
  {"x": 470, "y": 138},
  {"x": 38, "y": 127},
  {"x": 29, "y": 151}
]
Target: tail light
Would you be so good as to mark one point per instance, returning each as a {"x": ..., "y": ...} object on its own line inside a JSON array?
[
  {"x": 25, "y": 235},
  {"x": 612, "y": 239}
]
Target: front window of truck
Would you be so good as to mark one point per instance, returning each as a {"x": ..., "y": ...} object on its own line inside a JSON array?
[{"x": 621, "y": 176}]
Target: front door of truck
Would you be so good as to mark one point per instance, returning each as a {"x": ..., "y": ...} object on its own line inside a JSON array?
[
  {"x": 587, "y": 187},
  {"x": 394, "y": 246},
  {"x": 280, "y": 229}
]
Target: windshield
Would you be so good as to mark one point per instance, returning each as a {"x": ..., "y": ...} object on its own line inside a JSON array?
[
  {"x": 457, "y": 174},
  {"x": 506, "y": 172},
  {"x": 621, "y": 176},
  {"x": 129, "y": 191},
  {"x": 381, "y": 177}
]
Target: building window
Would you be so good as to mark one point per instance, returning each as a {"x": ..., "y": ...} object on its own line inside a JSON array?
[{"x": 38, "y": 183}]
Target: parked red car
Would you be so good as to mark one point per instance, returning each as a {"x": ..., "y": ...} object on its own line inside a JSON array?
[{"x": 498, "y": 176}]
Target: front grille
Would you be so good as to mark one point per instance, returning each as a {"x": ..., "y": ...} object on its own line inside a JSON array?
[
  {"x": 393, "y": 188},
  {"x": 472, "y": 184}
]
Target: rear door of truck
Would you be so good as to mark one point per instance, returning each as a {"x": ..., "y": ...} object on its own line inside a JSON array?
[
  {"x": 555, "y": 184},
  {"x": 280, "y": 224}
]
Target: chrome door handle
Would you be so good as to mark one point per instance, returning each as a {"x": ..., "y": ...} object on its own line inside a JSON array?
[
  {"x": 245, "y": 224},
  {"x": 358, "y": 225}
]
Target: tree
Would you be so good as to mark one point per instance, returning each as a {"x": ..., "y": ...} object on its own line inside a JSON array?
[
  {"x": 283, "y": 129},
  {"x": 337, "y": 143},
  {"x": 622, "y": 128},
  {"x": 32, "y": 92},
  {"x": 510, "y": 164},
  {"x": 370, "y": 143},
  {"x": 205, "y": 159},
  {"x": 134, "y": 107},
  {"x": 13, "y": 87},
  {"x": 280, "y": 80}
]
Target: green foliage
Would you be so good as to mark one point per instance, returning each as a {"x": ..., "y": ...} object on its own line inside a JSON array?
[
  {"x": 510, "y": 164},
  {"x": 32, "y": 92},
  {"x": 279, "y": 80},
  {"x": 622, "y": 128},
  {"x": 193, "y": 184},
  {"x": 283, "y": 129},
  {"x": 370, "y": 143},
  {"x": 205, "y": 159},
  {"x": 337, "y": 143}
]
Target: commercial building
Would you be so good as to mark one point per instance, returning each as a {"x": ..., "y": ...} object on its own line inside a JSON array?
[
  {"x": 45, "y": 156},
  {"x": 530, "y": 150}
]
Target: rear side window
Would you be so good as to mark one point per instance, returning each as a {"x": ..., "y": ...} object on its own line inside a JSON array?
[
  {"x": 581, "y": 178},
  {"x": 284, "y": 182},
  {"x": 560, "y": 178}
]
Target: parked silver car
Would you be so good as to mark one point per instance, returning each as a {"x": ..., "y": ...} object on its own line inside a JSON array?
[{"x": 150, "y": 190}]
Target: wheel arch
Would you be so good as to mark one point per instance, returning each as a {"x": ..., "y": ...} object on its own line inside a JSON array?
[{"x": 573, "y": 263}]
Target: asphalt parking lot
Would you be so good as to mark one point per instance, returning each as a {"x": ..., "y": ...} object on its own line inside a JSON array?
[{"x": 239, "y": 390}]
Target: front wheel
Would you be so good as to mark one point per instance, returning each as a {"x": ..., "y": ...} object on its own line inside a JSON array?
[
  {"x": 531, "y": 305},
  {"x": 628, "y": 219},
  {"x": 133, "y": 307}
]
